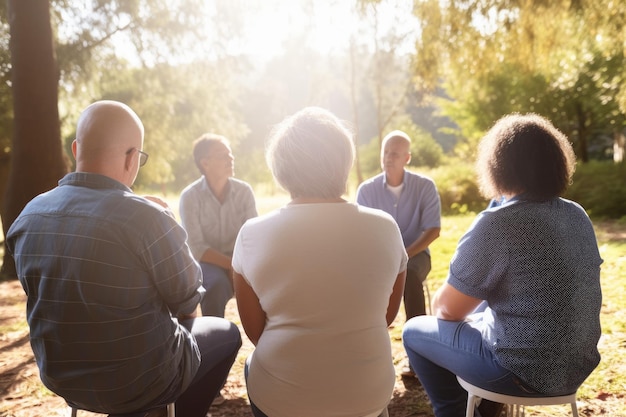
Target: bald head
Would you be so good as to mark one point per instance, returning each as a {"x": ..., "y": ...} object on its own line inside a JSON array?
[{"x": 106, "y": 132}]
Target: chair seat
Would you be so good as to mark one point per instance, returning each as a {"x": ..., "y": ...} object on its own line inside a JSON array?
[
  {"x": 171, "y": 410},
  {"x": 474, "y": 393}
]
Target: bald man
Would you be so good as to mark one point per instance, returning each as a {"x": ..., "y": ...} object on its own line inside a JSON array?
[
  {"x": 413, "y": 201},
  {"x": 112, "y": 286}
]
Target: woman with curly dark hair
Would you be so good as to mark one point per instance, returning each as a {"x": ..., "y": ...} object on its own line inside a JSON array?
[{"x": 519, "y": 311}]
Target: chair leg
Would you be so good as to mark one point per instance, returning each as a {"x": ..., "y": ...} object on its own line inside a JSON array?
[
  {"x": 471, "y": 405},
  {"x": 574, "y": 409},
  {"x": 74, "y": 412},
  {"x": 427, "y": 291},
  {"x": 385, "y": 413},
  {"x": 171, "y": 410}
]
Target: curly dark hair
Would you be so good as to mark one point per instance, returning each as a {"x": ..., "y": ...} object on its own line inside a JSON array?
[{"x": 525, "y": 155}]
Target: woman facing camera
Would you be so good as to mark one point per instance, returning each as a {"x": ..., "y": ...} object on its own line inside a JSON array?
[
  {"x": 318, "y": 282},
  {"x": 532, "y": 264}
]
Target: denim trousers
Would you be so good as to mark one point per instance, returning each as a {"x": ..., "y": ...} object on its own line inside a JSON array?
[
  {"x": 219, "y": 290},
  {"x": 439, "y": 350}
]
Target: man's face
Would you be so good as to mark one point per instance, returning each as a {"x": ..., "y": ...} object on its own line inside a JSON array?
[
  {"x": 394, "y": 155},
  {"x": 220, "y": 163}
]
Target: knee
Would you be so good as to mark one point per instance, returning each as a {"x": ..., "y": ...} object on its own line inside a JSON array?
[
  {"x": 234, "y": 335},
  {"x": 215, "y": 278},
  {"x": 417, "y": 327}
]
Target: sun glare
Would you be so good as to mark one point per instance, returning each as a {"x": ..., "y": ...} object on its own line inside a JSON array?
[{"x": 324, "y": 26}]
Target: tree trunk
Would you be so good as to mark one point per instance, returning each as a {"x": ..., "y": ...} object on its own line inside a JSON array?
[
  {"x": 37, "y": 161},
  {"x": 583, "y": 132},
  {"x": 619, "y": 144},
  {"x": 355, "y": 109}
]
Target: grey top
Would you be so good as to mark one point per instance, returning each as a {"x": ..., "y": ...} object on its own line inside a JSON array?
[{"x": 210, "y": 223}]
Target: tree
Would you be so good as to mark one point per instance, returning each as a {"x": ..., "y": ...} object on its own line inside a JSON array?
[
  {"x": 82, "y": 35},
  {"x": 384, "y": 61},
  {"x": 36, "y": 135},
  {"x": 496, "y": 57}
]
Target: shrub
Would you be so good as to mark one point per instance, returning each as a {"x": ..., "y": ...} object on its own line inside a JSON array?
[
  {"x": 599, "y": 186},
  {"x": 456, "y": 183}
]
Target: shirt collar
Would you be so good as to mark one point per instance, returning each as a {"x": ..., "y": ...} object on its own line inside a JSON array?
[{"x": 92, "y": 180}]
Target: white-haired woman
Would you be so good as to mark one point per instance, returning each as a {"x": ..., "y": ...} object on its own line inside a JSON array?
[{"x": 318, "y": 282}]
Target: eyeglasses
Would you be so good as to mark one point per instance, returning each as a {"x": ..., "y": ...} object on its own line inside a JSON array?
[{"x": 143, "y": 157}]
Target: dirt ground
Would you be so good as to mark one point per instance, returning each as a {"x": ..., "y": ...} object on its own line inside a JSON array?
[{"x": 23, "y": 395}]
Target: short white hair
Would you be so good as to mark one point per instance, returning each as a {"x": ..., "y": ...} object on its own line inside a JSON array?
[{"x": 311, "y": 153}]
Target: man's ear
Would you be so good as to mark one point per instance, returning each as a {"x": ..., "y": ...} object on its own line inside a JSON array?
[
  {"x": 74, "y": 148},
  {"x": 128, "y": 162},
  {"x": 408, "y": 158}
]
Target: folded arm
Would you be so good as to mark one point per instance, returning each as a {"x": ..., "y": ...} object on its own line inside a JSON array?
[{"x": 451, "y": 304}]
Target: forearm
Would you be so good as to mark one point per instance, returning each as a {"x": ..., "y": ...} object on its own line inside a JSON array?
[
  {"x": 211, "y": 256},
  {"x": 422, "y": 242},
  {"x": 448, "y": 303},
  {"x": 188, "y": 316}
]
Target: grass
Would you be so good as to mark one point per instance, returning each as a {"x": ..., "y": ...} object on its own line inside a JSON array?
[{"x": 601, "y": 394}]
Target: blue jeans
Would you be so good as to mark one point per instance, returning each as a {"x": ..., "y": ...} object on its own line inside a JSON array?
[
  {"x": 219, "y": 289},
  {"x": 439, "y": 350}
]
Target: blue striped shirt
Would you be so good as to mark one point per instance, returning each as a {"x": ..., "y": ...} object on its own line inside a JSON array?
[{"x": 104, "y": 270}]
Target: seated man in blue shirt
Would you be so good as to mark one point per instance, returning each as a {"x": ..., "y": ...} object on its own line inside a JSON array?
[
  {"x": 112, "y": 286},
  {"x": 212, "y": 209},
  {"x": 413, "y": 201}
]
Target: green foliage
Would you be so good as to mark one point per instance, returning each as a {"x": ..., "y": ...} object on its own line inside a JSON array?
[
  {"x": 551, "y": 58},
  {"x": 458, "y": 190},
  {"x": 369, "y": 158},
  {"x": 599, "y": 188},
  {"x": 425, "y": 151},
  {"x": 184, "y": 102},
  {"x": 251, "y": 167}
]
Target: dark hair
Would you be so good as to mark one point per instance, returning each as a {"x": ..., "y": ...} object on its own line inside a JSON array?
[
  {"x": 202, "y": 147},
  {"x": 525, "y": 155}
]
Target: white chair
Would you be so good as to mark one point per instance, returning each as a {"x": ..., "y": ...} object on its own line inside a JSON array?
[
  {"x": 515, "y": 405},
  {"x": 171, "y": 410},
  {"x": 429, "y": 309}
]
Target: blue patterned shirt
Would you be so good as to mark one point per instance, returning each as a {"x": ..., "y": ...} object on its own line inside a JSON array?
[
  {"x": 538, "y": 266},
  {"x": 104, "y": 270}
]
